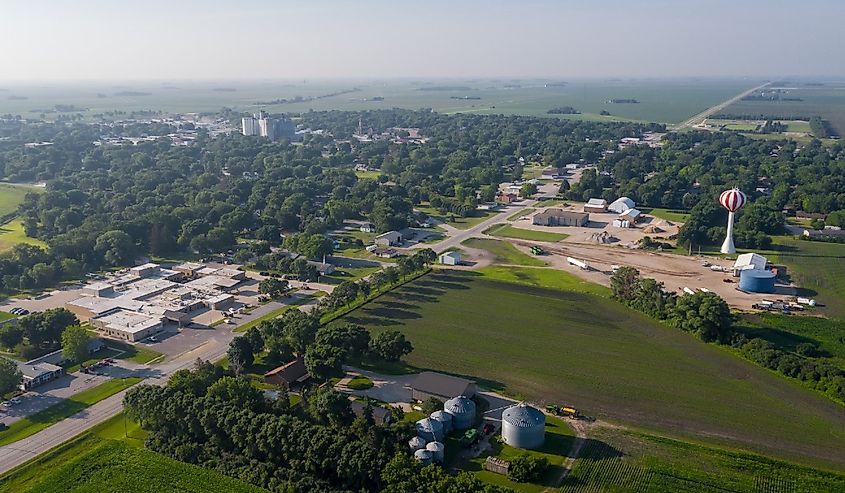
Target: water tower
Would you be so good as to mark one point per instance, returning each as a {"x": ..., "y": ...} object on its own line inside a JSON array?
[{"x": 732, "y": 200}]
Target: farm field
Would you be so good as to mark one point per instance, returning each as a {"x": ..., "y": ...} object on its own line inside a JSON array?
[
  {"x": 582, "y": 349},
  {"x": 617, "y": 461},
  {"x": 660, "y": 100},
  {"x": 53, "y": 414},
  {"x": 826, "y": 101},
  {"x": 508, "y": 231},
  {"x": 12, "y": 234},
  {"x": 816, "y": 266},
  {"x": 787, "y": 332},
  {"x": 504, "y": 252}
]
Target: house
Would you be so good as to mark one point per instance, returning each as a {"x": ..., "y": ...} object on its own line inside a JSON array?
[
  {"x": 810, "y": 215},
  {"x": 449, "y": 258},
  {"x": 391, "y": 238},
  {"x": 508, "y": 198},
  {"x": 554, "y": 173},
  {"x": 440, "y": 386},
  {"x": 288, "y": 374},
  {"x": 385, "y": 252},
  {"x": 560, "y": 217},
  {"x": 749, "y": 261},
  {"x": 621, "y": 205},
  {"x": 595, "y": 205},
  {"x": 631, "y": 215},
  {"x": 323, "y": 268},
  {"x": 35, "y": 374},
  {"x": 367, "y": 228},
  {"x": 380, "y": 414}
]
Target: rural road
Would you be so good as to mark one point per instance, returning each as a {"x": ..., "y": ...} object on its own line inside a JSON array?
[
  {"x": 19, "y": 452},
  {"x": 695, "y": 120},
  {"x": 456, "y": 236}
]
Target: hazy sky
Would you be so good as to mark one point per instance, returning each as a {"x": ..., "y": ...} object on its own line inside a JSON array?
[{"x": 263, "y": 39}]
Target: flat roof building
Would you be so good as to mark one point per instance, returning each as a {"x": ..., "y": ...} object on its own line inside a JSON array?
[
  {"x": 35, "y": 374},
  {"x": 127, "y": 325},
  {"x": 595, "y": 205},
  {"x": 440, "y": 386},
  {"x": 560, "y": 217}
]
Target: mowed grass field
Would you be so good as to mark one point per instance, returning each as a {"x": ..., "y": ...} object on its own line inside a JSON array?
[
  {"x": 111, "y": 458},
  {"x": 504, "y": 252},
  {"x": 12, "y": 233},
  {"x": 508, "y": 231},
  {"x": 586, "y": 350},
  {"x": 666, "y": 100},
  {"x": 816, "y": 266}
]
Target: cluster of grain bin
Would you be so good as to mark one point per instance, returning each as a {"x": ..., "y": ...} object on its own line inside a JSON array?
[
  {"x": 462, "y": 411},
  {"x": 430, "y": 430},
  {"x": 437, "y": 450},
  {"x": 424, "y": 456},
  {"x": 445, "y": 419},
  {"x": 416, "y": 443},
  {"x": 757, "y": 281},
  {"x": 523, "y": 426}
]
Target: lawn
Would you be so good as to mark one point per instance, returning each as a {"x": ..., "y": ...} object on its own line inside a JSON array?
[
  {"x": 546, "y": 278},
  {"x": 504, "y": 252},
  {"x": 12, "y": 234},
  {"x": 508, "y": 231},
  {"x": 559, "y": 438},
  {"x": 6, "y": 316},
  {"x": 612, "y": 362},
  {"x": 473, "y": 219},
  {"x": 133, "y": 352},
  {"x": 278, "y": 312},
  {"x": 521, "y": 213},
  {"x": 360, "y": 382},
  {"x": 614, "y": 460},
  {"x": 53, "y": 414},
  {"x": 668, "y": 214},
  {"x": 11, "y": 196},
  {"x": 368, "y": 175},
  {"x": 351, "y": 274}
]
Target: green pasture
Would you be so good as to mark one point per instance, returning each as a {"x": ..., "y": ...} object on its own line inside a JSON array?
[{"x": 504, "y": 252}]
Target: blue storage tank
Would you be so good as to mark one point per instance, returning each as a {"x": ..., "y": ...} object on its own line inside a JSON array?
[{"x": 757, "y": 281}]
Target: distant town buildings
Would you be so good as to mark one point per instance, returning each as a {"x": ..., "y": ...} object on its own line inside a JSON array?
[{"x": 272, "y": 128}]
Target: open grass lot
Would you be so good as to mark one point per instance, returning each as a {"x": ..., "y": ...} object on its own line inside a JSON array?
[
  {"x": 504, "y": 252},
  {"x": 12, "y": 234},
  {"x": 827, "y": 102},
  {"x": 617, "y": 461},
  {"x": 667, "y": 214},
  {"x": 111, "y": 457},
  {"x": 455, "y": 221},
  {"x": 816, "y": 266},
  {"x": 522, "y": 213},
  {"x": 559, "y": 438},
  {"x": 508, "y": 231},
  {"x": 11, "y": 196},
  {"x": 667, "y": 100},
  {"x": 368, "y": 175},
  {"x": 132, "y": 352},
  {"x": 582, "y": 349},
  {"x": 53, "y": 414},
  {"x": 6, "y": 316}
]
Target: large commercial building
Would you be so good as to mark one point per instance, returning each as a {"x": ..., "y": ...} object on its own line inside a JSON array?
[
  {"x": 560, "y": 217},
  {"x": 137, "y": 303},
  {"x": 440, "y": 386},
  {"x": 271, "y": 128}
]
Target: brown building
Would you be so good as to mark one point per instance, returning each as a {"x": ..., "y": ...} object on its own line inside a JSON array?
[
  {"x": 288, "y": 374},
  {"x": 560, "y": 217}
]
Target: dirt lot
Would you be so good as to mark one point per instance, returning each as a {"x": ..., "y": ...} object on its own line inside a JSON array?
[{"x": 675, "y": 271}]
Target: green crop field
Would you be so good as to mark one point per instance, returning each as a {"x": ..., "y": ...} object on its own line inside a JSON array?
[
  {"x": 504, "y": 252},
  {"x": 826, "y": 101},
  {"x": 787, "y": 332},
  {"x": 816, "y": 266},
  {"x": 64, "y": 409},
  {"x": 667, "y": 100},
  {"x": 508, "y": 231},
  {"x": 591, "y": 352},
  {"x": 620, "y": 461}
]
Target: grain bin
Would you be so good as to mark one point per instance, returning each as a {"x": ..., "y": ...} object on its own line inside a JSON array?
[
  {"x": 445, "y": 419},
  {"x": 523, "y": 426},
  {"x": 416, "y": 443},
  {"x": 424, "y": 456},
  {"x": 462, "y": 410},
  {"x": 430, "y": 430},
  {"x": 437, "y": 450},
  {"x": 757, "y": 281}
]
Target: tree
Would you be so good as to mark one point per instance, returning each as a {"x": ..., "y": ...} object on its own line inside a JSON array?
[
  {"x": 240, "y": 355},
  {"x": 704, "y": 314},
  {"x": 299, "y": 330},
  {"x": 324, "y": 361},
  {"x": 353, "y": 339},
  {"x": 527, "y": 190},
  {"x": 526, "y": 468},
  {"x": 273, "y": 287},
  {"x": 431, "y": 404},
  {"x": 623, "y": 283},
  {"x": 10, "y": 375},
  {"x": 390, "y": 345},
  {"x": 115, "y": 247},
  {"x": 329, "y": 406},
  {"x": 236, "y": 391},
  {"x": 10, "y": 335},
  {"x": 564, "y": 187},
  {"x": 75, "y": 341}
]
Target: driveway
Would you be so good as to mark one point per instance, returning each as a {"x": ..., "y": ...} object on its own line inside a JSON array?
[{"x": 388, "y": 388}]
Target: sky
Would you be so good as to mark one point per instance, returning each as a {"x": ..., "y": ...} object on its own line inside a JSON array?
[{"x": 55, "y": 40}]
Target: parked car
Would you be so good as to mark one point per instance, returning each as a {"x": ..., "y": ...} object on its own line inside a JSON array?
[
  {"x": 15, "y": 400},
  {"x": 488, "y": 428},
  {"x": 110, "y": 360},
  {"x": 153, "y": 339}
]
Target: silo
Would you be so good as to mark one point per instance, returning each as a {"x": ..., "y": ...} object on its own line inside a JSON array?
[
  {"x": 429, "y": 430},
  {"x": 523, "y": 426},
  {"x": 424, "y": 456},
  {"x": 437, "y": 450},
  {"x": 445, "y": 419},
  {"x": 757, "y": 281},
  {"x": 416, "y": 443},
  {"x": 462, "y": 410}
]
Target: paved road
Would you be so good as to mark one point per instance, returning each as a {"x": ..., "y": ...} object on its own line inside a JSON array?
[
  {"x": 456, "y": 236},
  {"x": 212, "y": 349},
  {"x": 695, "y": 120}
]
